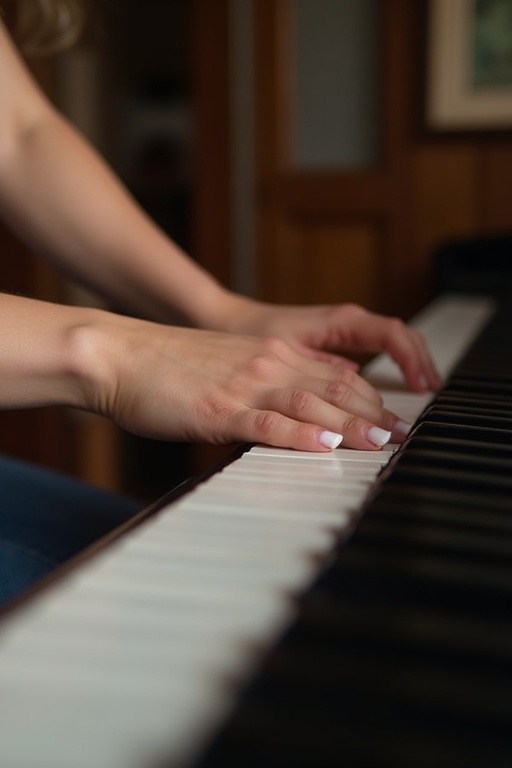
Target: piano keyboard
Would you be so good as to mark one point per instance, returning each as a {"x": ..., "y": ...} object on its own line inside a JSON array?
[{"x": 136, "y": 658}]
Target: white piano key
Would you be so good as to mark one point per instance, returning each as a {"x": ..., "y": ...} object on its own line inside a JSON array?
[
  {"x": 406, "y": 405},
  {"x": 286, "y": 503},
  {"x": 299, "y": 476},
  {"x": 168, "y": 611},
  {"x": 251, "y": 487},
  {"x": 58, "y": 724},
  {"x": 330, "y": 514},
  {"x": 340, "y": 454}
]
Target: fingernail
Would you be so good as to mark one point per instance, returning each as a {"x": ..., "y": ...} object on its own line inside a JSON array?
[
  {"x": 330, "y": 439},
  {"x": 378, "y": 436},
  {"x": 401, "y": 429}
]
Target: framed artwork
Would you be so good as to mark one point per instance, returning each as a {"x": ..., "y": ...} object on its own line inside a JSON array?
[{"x": 469, "y": 65}]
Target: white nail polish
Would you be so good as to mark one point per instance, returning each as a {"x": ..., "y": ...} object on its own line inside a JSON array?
[
  {"x": 330, "y": 439},
  {"x": 378, "y": 436}
]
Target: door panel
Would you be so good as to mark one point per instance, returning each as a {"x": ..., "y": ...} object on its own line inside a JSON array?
[
  {"x": 324, "y": 261},
  {"x": 322, "y": 229}
]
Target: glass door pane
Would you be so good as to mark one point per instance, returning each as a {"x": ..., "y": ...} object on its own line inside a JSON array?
[{"x": 337, "y": 84}]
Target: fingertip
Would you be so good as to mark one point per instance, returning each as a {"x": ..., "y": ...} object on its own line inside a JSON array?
[
  {"x": 417, "y": 382},
  {"x": 378, "y": 437},
  {"x": 330, "y": 440}
]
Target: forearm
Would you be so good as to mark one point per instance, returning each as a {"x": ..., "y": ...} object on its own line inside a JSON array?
[
  {"x": 42, "y": 359},
  {"x": 63, "y": 200}
]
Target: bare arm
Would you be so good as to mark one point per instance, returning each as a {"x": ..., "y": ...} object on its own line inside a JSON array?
[{"x": 64, "y": 201}]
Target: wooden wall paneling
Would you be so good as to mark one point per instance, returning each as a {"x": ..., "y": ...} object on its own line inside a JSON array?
[
  {"x": 276, "y": 241},
  {"x": 323, "y": 259},
  {"x": 320, "y": 208},
  {"x": 446, "y": 189},
  {"x": 279, "y": 268},
  {"x": 402, "y": 33},
  {"x": 211, "y": 231},
  {"x": 353, "y": 193},
  {"x": 496, "y": 195},
  {"x": 274, "y": 89},
  {"x": 340, "y": 262}
]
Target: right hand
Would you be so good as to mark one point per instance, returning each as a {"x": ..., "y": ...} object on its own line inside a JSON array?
[{"x": 183, "y": 384}]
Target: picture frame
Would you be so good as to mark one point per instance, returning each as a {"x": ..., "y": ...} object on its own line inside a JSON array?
[{"x": 469, "y": 65}]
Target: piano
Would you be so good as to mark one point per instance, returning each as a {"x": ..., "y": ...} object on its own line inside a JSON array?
[{"x": 342, "y": 609}]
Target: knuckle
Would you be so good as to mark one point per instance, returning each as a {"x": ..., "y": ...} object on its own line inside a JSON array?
[
  {"x": 396, "y": 326},
  {"x": 260, "y": 367},
  {"x": 354, "y": 311},
  {"x": 266, "y": 423},
  {"x": 267, "y": 359},
  {"x": 338, "y": 393},
  {"x": 273, "y": 345},
  {"x": 346, "y": 377},
  {"x": 300, "y": 401},
  {"x": 214, "y": 411},
  {"x": 351, "y": 425}
]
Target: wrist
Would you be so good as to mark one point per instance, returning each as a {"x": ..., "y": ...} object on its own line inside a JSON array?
[{"x": 90, "y": 360}]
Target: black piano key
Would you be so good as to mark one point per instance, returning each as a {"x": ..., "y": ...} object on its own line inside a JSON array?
[
  {"x": 458, "y": 401},
  {"x": 488, "y": 388},
  {"x": 466, "y": 404},
  {"x": 475, "y": 433},
  {"x": 478, "y": 584},
  {"x": 450, "y": 510},
  {"x": 478, "y": 462},
  {"x": 369, "y": 732},
  {"x": 407, "y": 472},
  {"x": 424, "y": 627},
  {"x": 485, "y": 373},
  {"x": 456, "y": 418},
  {"x": 417, "y": 538},
  {"x": 319, "y": 706},
  {"x": 459, "y": 446}
]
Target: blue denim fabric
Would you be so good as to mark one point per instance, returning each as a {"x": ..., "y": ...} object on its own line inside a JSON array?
[{"x": 46, "y": 518}]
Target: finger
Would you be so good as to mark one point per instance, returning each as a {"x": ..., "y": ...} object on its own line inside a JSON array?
[
  {"x": 334, "y": 394},
  {"x": 326, "y": 408},
  {"x": 423, "y": 371},
  {"x": 359, "y": 431},
  {"x": 329, "y": 357},
  {"x": 274, "y": 428},
  {"x": 406, "y": 347},
  {"x": 321, "y": 370},
  {"x": 341, "y": 378}
]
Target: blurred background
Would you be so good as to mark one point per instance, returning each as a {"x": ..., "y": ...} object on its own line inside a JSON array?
[{"x": 284, "y": 144}]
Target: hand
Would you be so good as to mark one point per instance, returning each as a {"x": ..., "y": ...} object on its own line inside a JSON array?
[
  {"x": 325, "y": 332},
  {"x": 177, "y": 383}
]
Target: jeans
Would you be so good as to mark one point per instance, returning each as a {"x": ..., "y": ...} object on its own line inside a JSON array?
[{"x": 45, "y": 519}]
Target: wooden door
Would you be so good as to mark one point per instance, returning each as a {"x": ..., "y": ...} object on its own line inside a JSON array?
[{"x": 333, "y": 234}]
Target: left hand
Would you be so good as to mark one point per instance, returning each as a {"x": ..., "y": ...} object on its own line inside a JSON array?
[{"x": 327, "y": 332}]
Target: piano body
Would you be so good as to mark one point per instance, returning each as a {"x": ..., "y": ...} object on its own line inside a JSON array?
[{"x": 294, "y": 609}]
